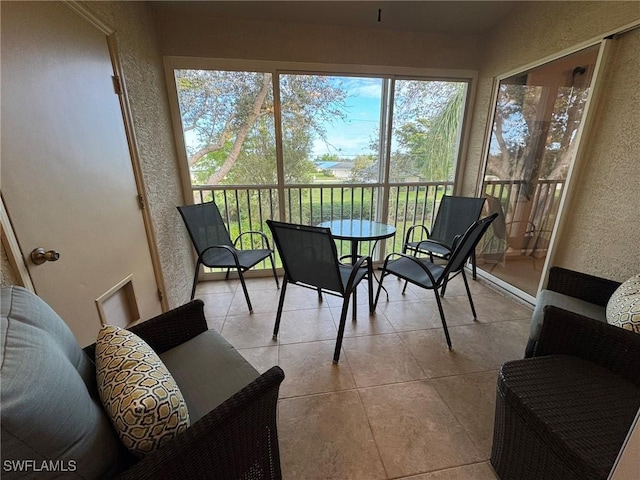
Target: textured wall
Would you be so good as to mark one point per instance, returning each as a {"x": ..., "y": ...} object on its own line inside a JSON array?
[
  {"x": 606, "y": 193},
  {"x": 7, "y": 275},
  {"x": 213, "y": 38},
  {"x": 602, "y": 232},
  {"x": 144, "y": 74}
]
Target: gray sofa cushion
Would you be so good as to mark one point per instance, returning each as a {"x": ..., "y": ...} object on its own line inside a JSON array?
[
  {"x": 208, "y": 371},
  {"x": 549, "y": 297},
  {"x": 50, "y": 407}
]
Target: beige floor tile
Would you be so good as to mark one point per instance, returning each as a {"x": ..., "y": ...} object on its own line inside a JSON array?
[
  {"x": 411, "y": 314},
  {"x": 375, "y": 415},
  {"x": 217, "y": 286},
  {"x": 415, "y": 430},
  {"x": 476, "y": 348},
  {"x": 364, "y": 325},
  {"x": 309, "y": 369},
  {"x": 262, "y": 283},
  {"x": 472, "y": 400},
  {"x": 262, "y": 301},
  {"x": 249, "y": 330},
  {"x": 429, "y": 348},
  {"x": 306, "y": 326},
  {"x": 298, "y": 298},
  {"x": 492, "y": 306},
  {"x": 216, "y": 307},
  {"x": 262, "y": 358},
  {"x": 475, "y": 471},
  {"x": 380, "y": 359},
  {"x": 496, "y": 342},
  {"x": 327, "y": 437}
]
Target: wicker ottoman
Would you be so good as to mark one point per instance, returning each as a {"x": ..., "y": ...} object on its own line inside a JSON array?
[{"x": 560, "y": 417}]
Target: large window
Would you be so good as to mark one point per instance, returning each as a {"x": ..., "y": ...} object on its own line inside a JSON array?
[{"x": 307, "y": 147}]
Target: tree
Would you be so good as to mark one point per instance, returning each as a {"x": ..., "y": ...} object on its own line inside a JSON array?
[
  {"x": 426, "y": 129},
  {"x": 228, "y": 122},
  {"x": 528, "y": 142}
]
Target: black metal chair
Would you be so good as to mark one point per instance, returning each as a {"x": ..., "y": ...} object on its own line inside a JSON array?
[
  {"x": 424, "y": 273},
  {"x": 215, "y": 249},
  {"x": 310, "y": 259},
  {"x": 454, "y": 217}
]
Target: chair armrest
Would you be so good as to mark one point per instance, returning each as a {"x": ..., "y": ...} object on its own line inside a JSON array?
[
  {"x": 238, "y": 439},
  {"x": 579, "y": 285},
  {"x": 264, "y": 238},
  {"x": 568, "y": 333},
  {"x": 174, "y": 327},
  {"x": 409, "y": 236}
]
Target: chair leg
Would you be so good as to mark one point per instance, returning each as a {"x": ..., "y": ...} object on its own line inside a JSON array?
[
  {"x": 375, "y": 302},
  {"x": 444, "y": 322},
  {"x": 444, "y": 286},
  {"x": 372, "y": 308},
  {"x": 343, "y": 321},
  {"x": 195, "y": 280},
  {"x": 273, "y": 268},
  {"x": 244, "y": 289},
  {"x": 466, "y": 285},
  {"x": 354, "y": 302},
  {"x": 473, "y": 264},
  {"x": 283, "y": 290}
]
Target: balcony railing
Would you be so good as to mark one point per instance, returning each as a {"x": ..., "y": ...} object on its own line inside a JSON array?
[
  {"x": 247, "y": 207},
  {"x": 533, "y": 207}
]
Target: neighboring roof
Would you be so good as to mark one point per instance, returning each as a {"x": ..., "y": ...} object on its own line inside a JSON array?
[{"x": 334, "y": 165}]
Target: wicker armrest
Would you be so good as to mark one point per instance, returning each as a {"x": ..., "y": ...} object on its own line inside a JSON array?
[
  {"x": 238, "y": 439},
  {"x": 168, "y": 329},
  {"x": 586, "y": 287},
  {"x": 567, "y": 333},
  {"x": 174, "y": 327}
]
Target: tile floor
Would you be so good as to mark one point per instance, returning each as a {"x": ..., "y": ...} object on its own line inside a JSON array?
[{"x": 399, "y": 404}]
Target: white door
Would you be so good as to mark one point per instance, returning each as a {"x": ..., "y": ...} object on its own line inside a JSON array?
[{"x": 67, "y": 177}]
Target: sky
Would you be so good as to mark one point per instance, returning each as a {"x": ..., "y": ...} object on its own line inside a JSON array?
[{"x": 352, "y": 136}]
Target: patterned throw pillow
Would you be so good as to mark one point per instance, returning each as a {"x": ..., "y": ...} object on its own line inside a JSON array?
[
  {"x": 138, "y": 392},
  {"x": 623, "y": 308}
]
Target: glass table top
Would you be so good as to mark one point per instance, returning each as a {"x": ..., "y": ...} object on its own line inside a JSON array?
[{"x": 359, "y": 229}]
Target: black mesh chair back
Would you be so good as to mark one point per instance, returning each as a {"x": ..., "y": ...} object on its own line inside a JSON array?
[
  {"x": 215, "y": 249},
  {"x": 205, "y": 225},
  {"x": 454, "y": 217},
  {"x": 424, "y": 273},
  {"x": 308, "y": 255},
  {"x": 310, "y": 259},
  {"x": 467, "y": 243}
]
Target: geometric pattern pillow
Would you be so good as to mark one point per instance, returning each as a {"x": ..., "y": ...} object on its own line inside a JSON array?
[
  {"x": 623, "y": 308},
  {"x": 139, "y": 394}
]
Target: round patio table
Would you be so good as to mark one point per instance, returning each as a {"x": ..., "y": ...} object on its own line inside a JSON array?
[{"x": 356, "y": 231}]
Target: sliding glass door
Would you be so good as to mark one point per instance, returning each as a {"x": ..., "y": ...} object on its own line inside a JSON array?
[{"x": 537, "y": 116}]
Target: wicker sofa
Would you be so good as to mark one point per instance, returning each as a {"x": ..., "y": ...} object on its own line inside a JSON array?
[
  {"x": 577, "y": 292},
  {"x": 564, "y": 413},
  {"x": 52, "y": 415}
]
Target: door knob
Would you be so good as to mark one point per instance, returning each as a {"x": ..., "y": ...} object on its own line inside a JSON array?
[{"x": 40, "y": 255}]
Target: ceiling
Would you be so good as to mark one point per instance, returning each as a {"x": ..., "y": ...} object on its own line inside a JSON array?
[{"x": 452, "y": 17}]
